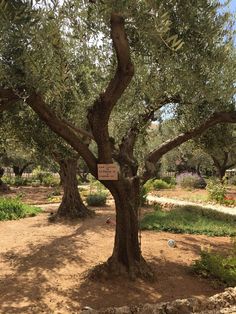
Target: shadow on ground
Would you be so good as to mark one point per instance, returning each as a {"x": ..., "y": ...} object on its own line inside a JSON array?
[{"x": 49, "y": 277}]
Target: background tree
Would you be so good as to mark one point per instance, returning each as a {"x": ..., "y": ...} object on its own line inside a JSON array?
[
  {"x": 220, "y": 144},
  {"x": 47, "y": 149}
]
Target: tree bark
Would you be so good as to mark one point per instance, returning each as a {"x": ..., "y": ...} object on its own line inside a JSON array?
[
  {"x": 126, "y": 259},
  {"x": 72, "y": 206}
]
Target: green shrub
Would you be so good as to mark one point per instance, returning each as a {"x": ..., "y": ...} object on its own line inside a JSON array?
[
  {"x": 98, "y": 199},
  {"x": 216, "y": 191},
  {"x": 13, "y": 208},
  {"x": 218, "y": 266},
  {"x": 190, "y": 180},
  {"x": 190, "y": 219},
  {"x": 156, "y": 184},
  {"x": 158, "y": 207},
  {"x": 35, "y": 183},
  {"x": 169, "y": 180},
  {"x": 16, "y": 181},
  {"x": 44, "y": 178},
  {"x": 148, "y": 186},
  {"x": 159, "y": 184},
  {"x": 20, "y": 181},
  {"x": 143, "y": 195},
  {"x": 98, "y": 186},
  {"x": 50, "y": 180},
  {"x": 8, "y": 180},
  {"x": 37, "y": 174}
]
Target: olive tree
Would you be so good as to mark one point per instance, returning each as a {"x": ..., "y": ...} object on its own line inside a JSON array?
[{"x": 138, "y": 57}]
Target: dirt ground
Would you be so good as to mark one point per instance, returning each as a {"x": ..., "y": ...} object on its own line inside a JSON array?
[
  {"x": 31, "y": 195},
  {"x": 43, "y": 266}
]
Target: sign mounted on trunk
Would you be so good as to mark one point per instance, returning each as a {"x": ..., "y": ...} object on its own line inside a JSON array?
[{"x": 107, "y": 172}]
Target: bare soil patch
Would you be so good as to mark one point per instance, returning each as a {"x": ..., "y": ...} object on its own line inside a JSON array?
[{"x": 43, "y": 266}]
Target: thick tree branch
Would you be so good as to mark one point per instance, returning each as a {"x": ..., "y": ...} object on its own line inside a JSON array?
[
  {"x": 141, "y": 121},
  {"x": 125, "y": 154},
  {"x": 78, "y": 130},
  {"x": 62, "y": 129},
  {"x": 99, "y": 113},
  {"x": 154, "y": 156}
]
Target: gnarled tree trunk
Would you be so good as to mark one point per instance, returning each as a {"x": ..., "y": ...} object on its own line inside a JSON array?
[
  {"x": 72, "y": 205},
  {"x": 126, "y": 258}
]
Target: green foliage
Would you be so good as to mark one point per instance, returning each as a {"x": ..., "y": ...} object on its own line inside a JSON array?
[
  {"x": 20, "y": 181},
  {"x": 55, "y": 195},
  {"x": 8, "y": 180},
  {"x": 38, "y": 174},
  {"x": 169, "y": 180},
  {"x": 98, "y": 199},
  {"x": 216, "y": 191},
  {"x": 159, "y": 184},
  {"x": 191, "y": 219},
  {"x": 44, "y": 177},
  {"x": 50, "y": 180},
  {"x": 97, "y": 186},
  {"x": 143, "y": 195},
  {"x": 220, "y": 143},
  {"x": 16, "y": 181},
  {"x": 156, "y": 184},
  {"x": 35, "y": 183},
  {"x": 221, "y": 267},
  {"x": 158, "y": 207},
  {"x": 13, "y": 208},
  {"x": 188, "y": 180}
]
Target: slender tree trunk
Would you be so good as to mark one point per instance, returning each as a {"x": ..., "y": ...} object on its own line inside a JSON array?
[
  {"x": 221, "y": 173},
  {"x": 3, "y": 186},
  {"x": 220, "y": 169},
  {"x": 72, "y": 205},
  {"x": 17, "y": 171}
]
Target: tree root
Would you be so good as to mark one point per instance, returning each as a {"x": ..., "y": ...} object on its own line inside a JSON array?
[
  {"x": 68, "y": 216},
  {"x": 114, "y": 269}
]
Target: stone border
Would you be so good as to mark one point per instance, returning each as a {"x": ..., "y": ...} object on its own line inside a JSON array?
[{"x": 224, "y": 302}]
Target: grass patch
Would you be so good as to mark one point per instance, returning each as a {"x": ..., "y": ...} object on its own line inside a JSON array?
[
  {"x": 13, "y": 208},
  {"x": 217, "y": 266},
  {"x": 192, "y": 220},
  {"x": 196, "y": 198}
]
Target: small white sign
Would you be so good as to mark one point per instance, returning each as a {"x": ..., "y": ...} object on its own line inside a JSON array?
[{"x": 107, "y": 172}]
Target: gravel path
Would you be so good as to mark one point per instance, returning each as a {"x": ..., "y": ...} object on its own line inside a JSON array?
[{"x": 165, "y": 200}]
